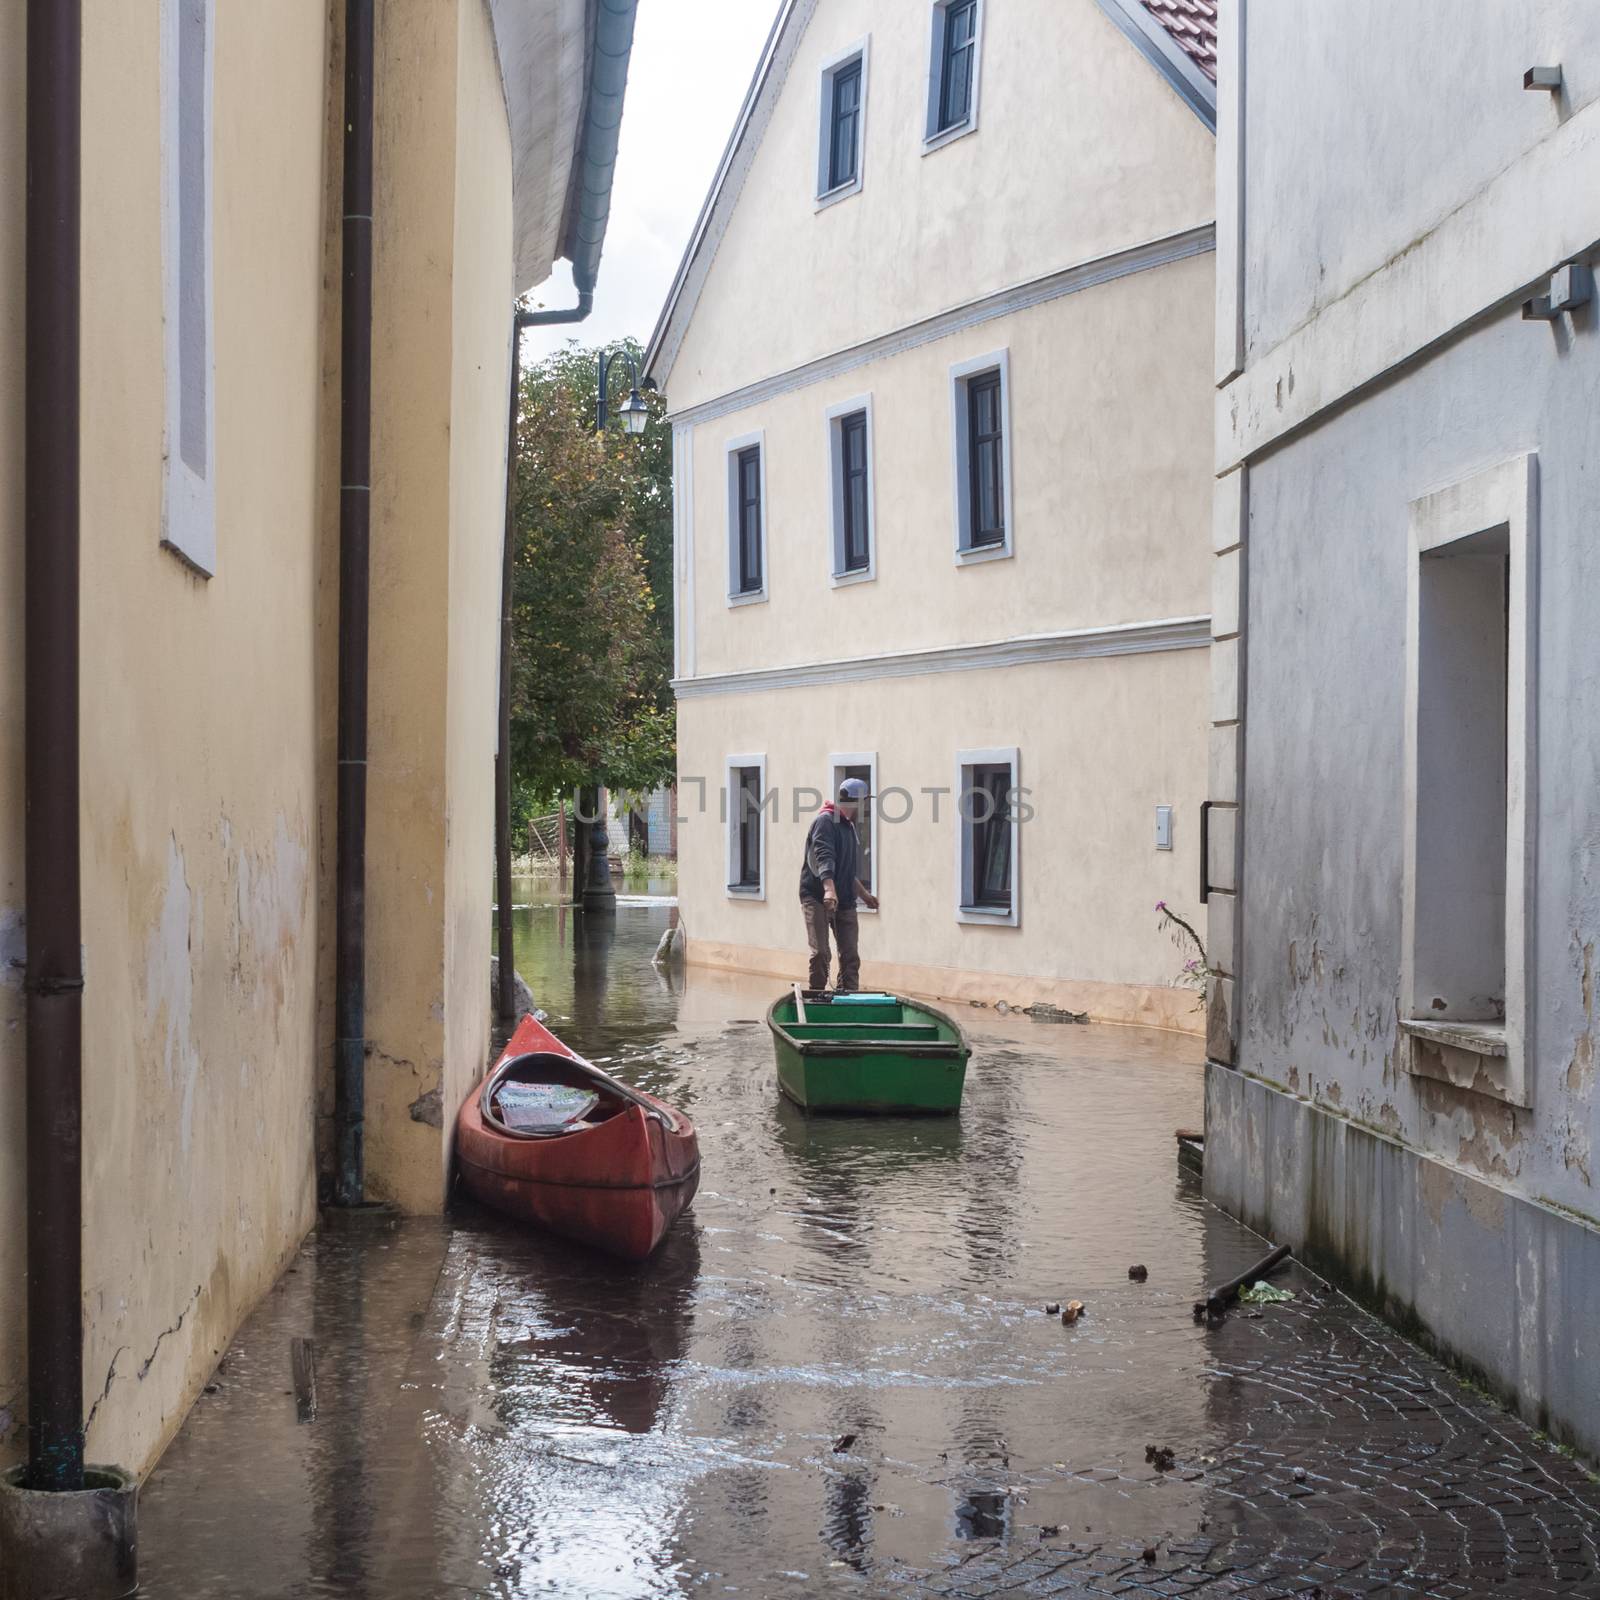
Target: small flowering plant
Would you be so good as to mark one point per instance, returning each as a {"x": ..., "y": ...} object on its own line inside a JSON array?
[{"x": 1196, "y": 970}]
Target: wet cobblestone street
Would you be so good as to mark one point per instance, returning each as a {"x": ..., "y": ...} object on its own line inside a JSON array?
[{"x": 837, "y": 1377}]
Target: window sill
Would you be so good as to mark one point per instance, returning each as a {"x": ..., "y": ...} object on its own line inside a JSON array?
[
  {"x": 738, "y": 891},
  {"x": 975, "y": 555},
  {"x": 834, "y": 196},
  {"x": 1474, "y": 1056},
  {"x": 755, "y": 598},
  {"x": 843, "y": 580},
  {"x": 988, "y": 916},
  {"x": 937, "y": 141}
]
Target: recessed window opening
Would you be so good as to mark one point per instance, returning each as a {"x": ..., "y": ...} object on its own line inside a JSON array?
[
  {"x": 747, "y": 804},
  {"x": 850, "y": 468},
  {"x": 980, "y": 427},
  {"x": 853, "y": 449},
  {"x": 749, "y": 828},
  {"x": 954, "y": 69},
  {"x": 988, "y": 813},
  {"x": 747, "y": 519},
  {"x": 1463, "y": 638},
  {"x": 865, "y": 768},
  {"x": 188, "y": 522},
  {"x": 843, "y": 144},
  {"x": 985, "y": 470},
  {"x": 958, "y": 53},
  {"x": 841, "y": 135},
  {"x": 988, "y": 808}
]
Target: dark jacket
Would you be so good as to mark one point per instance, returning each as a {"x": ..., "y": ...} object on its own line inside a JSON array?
[{"x": 832, "y": 851}]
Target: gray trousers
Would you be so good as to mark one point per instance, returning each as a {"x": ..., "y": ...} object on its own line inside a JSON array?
[{"x": 846, "y": 929}]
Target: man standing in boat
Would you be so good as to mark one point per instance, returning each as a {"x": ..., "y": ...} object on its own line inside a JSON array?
[{"x": 830, "y": 888}]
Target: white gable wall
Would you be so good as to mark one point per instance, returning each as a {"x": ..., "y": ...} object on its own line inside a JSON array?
[{"x": 1082, "y": 150}]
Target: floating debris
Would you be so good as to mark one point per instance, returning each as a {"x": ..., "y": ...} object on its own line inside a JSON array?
[
  {"x": 1048, "y": 1013},
  {"x": 1160, "y": 1457},
  {"x": 1264, "y": 1294},
  {"x": 843, "y": 1443},
  {"x": 1138, "y": 1274},
  {"x": 1071, "y": 1311},
  {"x": 1053, "y": 1309}
]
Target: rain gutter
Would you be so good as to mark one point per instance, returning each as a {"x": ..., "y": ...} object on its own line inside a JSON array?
[
  {"x": 584, "y": 236},
  {"x": 355, "y": 522},
  {"x": 53, "y": 897}
]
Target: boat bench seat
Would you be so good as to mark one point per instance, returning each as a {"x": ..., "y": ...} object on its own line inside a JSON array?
[{"x": 886, "y": 1032}]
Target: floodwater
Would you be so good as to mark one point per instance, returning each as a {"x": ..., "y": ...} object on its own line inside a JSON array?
[{"x": 834, "y": 1377}]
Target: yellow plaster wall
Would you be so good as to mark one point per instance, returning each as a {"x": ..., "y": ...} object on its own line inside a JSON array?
[
  {"x": 414, "y": 236},
  {"x": 443, "y": 301},
  {"x": 199, "y": 712},
  {"x": 480, "y": 381}
]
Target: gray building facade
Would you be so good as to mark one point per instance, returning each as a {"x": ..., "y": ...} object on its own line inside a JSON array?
[{"x": 1405, "y": 814}]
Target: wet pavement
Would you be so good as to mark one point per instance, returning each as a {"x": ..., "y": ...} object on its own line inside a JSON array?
[{"x": 836, "y": 1378}]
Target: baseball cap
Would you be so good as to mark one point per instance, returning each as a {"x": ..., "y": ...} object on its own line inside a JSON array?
[{"x": 853, "y": 789}]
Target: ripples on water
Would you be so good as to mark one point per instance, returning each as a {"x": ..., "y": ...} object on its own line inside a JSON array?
[{"x": 566, "y": 1424}]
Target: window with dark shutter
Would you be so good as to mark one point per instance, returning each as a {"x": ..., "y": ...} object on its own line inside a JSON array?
[
  {"x": 985, "y": 466},
  {"x": 845, "y": 126},
  {"x": 863, "y": 819},
  {"x": 989, "y": 800},
  {"x": 749, "y": 479},
  {"x": 957, "y": 58},
  {"x": 749, "y": 826},
  {"x": 853, "y": 472}
]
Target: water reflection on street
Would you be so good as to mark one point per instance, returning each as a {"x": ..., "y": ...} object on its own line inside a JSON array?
[{"x": 836, "y": 1372}]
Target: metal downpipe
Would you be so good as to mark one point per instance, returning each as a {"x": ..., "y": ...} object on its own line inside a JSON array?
[
  {"x": 355, "y": 508},
  {"x": 53, "y": 897},
  {"x": 506, "y": 944}
]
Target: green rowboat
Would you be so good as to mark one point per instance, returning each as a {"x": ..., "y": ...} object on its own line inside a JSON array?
[{"x": 874, "y": 1053}]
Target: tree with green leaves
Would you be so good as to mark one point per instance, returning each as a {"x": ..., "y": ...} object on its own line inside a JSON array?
[{"x": 591, "y": 641}]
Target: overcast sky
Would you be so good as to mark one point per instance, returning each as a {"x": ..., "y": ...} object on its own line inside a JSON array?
[{"x": 692, "y": 62}]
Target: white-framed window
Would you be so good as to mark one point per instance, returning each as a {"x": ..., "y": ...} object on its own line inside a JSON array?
[
  {"x": 989, "y": 814},
  {"x": 747, "y": 810},
  {"x": 189, "y": 500},
  {"x": 747, "y": 518},
  {"x": 980, "y": 436},
  {"x": 954, "y": 71},
  {"x": 854, "y": 552},
  {"x": 863, "y": 765},
  {"x": 1470, "y": 768},
  {"x": 842, "y": 124}
]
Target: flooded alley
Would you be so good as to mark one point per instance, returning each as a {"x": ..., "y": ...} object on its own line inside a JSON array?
[{"x": 837, "y": 1376}]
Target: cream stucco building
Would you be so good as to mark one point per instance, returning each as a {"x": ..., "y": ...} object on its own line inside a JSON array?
[
  {"x": 210, "y": 513},
  {"x": 938, "y": 361}
]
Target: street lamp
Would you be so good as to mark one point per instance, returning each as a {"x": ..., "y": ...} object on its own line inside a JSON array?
[{"x": 633, "y": 411}]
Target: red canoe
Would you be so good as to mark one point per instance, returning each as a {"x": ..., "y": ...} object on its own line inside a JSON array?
[{"x": 617, "y": 1179}]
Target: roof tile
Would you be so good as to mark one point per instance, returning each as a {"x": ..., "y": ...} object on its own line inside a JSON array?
[{"x": 1193, "y": 25}]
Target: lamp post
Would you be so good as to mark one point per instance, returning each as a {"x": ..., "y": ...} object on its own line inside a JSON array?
[{"x": 633, "y": 411}]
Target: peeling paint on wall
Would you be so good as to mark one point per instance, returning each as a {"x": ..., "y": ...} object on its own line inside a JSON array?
[
  {"x": 169, "y": 982},
  {"x": 272, "y": 885},
  {"x": 1575, "y": 1144}
]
